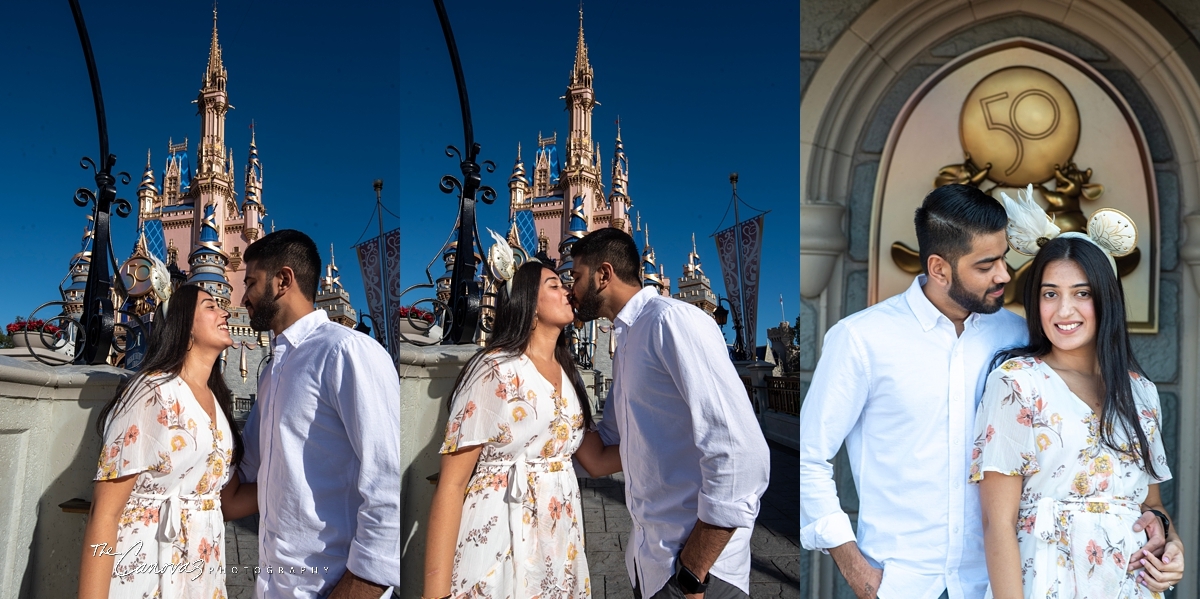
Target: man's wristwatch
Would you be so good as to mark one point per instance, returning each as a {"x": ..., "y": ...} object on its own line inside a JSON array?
[
  {"x": 689, "y": 583},
  {"x": 1165, "y": 522}
]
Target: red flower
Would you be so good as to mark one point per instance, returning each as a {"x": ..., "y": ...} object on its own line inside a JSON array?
[
  {"x": 1025, "y": 417},
  {"x": 1094, "y": 553},
  {"x": 1119, "y": 559},
  {"x": 131, "y": 435},
  {"x": 990, "y": 431}
]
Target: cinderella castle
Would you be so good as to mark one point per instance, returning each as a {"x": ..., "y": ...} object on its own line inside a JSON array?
[
  {"x": 566, "y": 199},
  {"x": 191, "y": 220}
]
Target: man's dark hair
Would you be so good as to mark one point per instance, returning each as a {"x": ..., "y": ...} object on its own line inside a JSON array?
[
  {"x": 950, "y": 218},
  {"x": 613, "y": 246},
  {"x": 291, "y": 248}
]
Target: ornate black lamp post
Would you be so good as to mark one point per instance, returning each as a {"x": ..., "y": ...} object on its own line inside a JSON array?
[
  {"x": 465, "y": 293},
  {"x": 722, "y": 316},
  {"x": 97, "y": 318}
]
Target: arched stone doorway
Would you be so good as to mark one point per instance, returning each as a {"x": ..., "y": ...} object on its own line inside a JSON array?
[{"x": 886, "y": 53}]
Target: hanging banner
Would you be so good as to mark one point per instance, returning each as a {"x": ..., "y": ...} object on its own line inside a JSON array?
[
  {"x": 372, "y": 275},
  {"x": 744, "y": 287},
  {"x": 391, "y": 252}
]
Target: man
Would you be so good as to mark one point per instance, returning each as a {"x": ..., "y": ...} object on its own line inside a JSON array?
[
  {"x": 899, "y": 383},
  {"x": 694, "y": 457},
  {"x": 323, "y": 439}
]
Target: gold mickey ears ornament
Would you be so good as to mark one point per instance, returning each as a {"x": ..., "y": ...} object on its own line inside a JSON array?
[{"x": 1029, "y": 228}]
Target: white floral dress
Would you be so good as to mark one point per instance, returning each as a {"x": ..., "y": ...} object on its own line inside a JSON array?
[
  {"x": 1080, "y": 498},
  {"x": 171, "y": 534},
  {"x": 520, "y": 534}
]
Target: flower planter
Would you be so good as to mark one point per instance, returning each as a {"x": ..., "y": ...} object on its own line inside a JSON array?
[{"x": 34, "y": 339}]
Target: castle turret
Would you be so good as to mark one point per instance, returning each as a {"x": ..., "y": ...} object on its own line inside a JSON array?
[
  {"x": 333, "y": 298},
  {"x": 581, "y": 175},
  {"x": 78, "y": 269},
  {"x": 518, "y": 186},
  {"x": 618, "y": 199},
  {"x": 577, "y": 230},
  {"x": 208, "y": 262},
  {"x": 147, "y": 192},
  {"x": 650, "y": 276},
  {"x": 252, "y": 206},
  {"x": 695, "y": 287},
  {"x": 214, "y": 182}
]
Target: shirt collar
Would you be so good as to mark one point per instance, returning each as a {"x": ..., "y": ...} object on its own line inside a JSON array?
[
  {"x": 927, "y": 314},
  {"x": 633, "y": 308},
  {"x": 301, "y": 329}
]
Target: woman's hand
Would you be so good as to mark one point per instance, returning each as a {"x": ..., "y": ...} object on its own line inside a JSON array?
[
  {"x": 596, "y": 457},
  {"x": 1161, "y": 575}
]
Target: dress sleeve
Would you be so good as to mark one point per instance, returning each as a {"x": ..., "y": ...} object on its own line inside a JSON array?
[
  {"x": 480, "y": 411},
  {"x": 1150, "y": 417},
  {"x": 1004, "y": 437},
  {"x": 136, "y": 436}
]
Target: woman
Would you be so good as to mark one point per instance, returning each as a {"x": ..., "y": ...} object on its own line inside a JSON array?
[
  {"x": 1068, "y": 451},
  {"x": 155, "y": 527},
  {"x": 518, "y": 412}
]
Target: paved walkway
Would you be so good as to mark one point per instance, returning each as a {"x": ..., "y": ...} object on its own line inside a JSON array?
[{"x": 775, "y": 544}]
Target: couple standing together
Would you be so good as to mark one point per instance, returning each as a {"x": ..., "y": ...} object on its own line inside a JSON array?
[
  {"x": 319, "y": 458},
  {"x": 677, "y": 422},
  {"x": 1045, "y": 487}
]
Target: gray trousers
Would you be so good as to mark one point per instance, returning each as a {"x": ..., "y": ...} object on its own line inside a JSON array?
[{"x": 717, "y": 589}]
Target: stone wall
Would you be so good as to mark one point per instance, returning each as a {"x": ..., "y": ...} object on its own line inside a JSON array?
[
  {"x": 48, "y": 453},
  {"x": 823, "y": 21}
]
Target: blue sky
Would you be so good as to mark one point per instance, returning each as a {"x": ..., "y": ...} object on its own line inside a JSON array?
[
  {"x": 702, "y": 89},
  {"x": 320, "y": 85},
  {"x": 342, "y": 97}
]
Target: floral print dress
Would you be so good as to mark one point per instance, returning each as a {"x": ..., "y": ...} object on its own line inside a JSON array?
[
  {"x": 171, "y": 534},
  {"x": 520, "y": 534},
  {"x": 1080, "y": 498}
]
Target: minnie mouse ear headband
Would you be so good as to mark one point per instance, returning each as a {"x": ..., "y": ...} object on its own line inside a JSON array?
[{"x": 1029, "y": 228}]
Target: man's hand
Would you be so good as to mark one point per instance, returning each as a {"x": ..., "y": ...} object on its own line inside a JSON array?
[
  {"x": 1156, "y": 542},
  {"x": 353, "y": 587},
  {"x": 863, "y": 578}
]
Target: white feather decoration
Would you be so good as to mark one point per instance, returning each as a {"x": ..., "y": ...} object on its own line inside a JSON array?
[
  {"x": 501, "y": 259},
  {"x": 160, "y": 282},
  {"x": 1029, "y": 227}
]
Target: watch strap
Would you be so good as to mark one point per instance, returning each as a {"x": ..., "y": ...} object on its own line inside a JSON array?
[
  {"x": 1165, "y": 521},
  {"x": 688, "y": 582}
]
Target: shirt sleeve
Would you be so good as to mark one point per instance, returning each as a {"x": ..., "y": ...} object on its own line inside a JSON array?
[
  {"x": 1005, "y": 437},
  {"x": 248, "y": 468},
  {"x": 607, "y": 427},
  {"x": 835, "y": 401},
  {"x": 365, "y": 389},
  {"x": 735, "y": 463},
  {"x": 478, "y": 410},
  {"x": 136, "y": 437},
  {"x": 1150, "y": 416}
]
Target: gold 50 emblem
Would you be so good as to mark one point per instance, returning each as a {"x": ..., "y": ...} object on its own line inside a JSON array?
[
  {"x": 1022, "y": 121},
  {"x": 135, "y": 274}
]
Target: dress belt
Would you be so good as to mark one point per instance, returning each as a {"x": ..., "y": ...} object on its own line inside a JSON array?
[
  {"x": 518, "y": 487},
  {"x": 1048, "y": 529},
  {"x": 170, "y": 523}
]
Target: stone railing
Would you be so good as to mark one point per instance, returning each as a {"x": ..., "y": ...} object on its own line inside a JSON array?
[{"x": 48, "y": 454}]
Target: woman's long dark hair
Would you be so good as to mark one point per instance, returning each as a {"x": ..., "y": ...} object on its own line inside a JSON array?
[
  {"x": 168, "y": 349},
  {"x": 513, "y": 328},
  {"x": 1112, "y": 340}
]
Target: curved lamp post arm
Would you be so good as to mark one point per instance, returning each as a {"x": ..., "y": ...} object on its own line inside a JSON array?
[
  {"x": 465, "y": 293},
  {"x": 98, "y": 315}
]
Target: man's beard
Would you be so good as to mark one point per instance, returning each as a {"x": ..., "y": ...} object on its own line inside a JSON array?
[
  {"x": 587, "y": 306},
  {"x": 265, "y": 311},
  {"x": 975, "y": 304}
]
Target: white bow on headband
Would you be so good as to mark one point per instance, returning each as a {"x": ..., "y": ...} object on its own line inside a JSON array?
[
  {"x": 1029, "y": 228},
  {"x": 502, "y": 260}
]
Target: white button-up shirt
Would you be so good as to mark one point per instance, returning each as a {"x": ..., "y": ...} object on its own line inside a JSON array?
[
  {"x": 323, "y": 442},
  {"x": 691, "y": 446},
  {"x": 900, "y": 386}
]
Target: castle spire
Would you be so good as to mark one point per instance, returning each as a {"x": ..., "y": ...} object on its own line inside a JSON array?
[
  {"x": 252, "y": 207},
  {"x": 582, "y": 72},
  {"x": 216, "y": 68}
]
